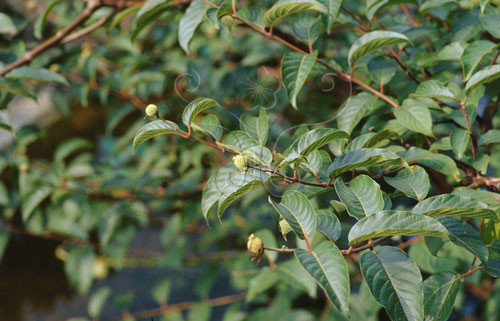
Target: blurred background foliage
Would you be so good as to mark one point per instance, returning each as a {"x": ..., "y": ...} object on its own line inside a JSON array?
[{"x": 89, "y": 228}]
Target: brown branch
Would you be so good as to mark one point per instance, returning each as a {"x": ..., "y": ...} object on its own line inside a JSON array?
[
  {"x": 364, "y": 247},
  {"x": 92, "y": 6},
  {"x": 84, "y": 31},
  {"x": 274, "y": 249}
]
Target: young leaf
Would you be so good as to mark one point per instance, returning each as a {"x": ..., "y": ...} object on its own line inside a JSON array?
[
  {"x": 389, "y": 223},
  {"x": 454, "y": 205},
  {"x": 459, "y": 139},
  {"x": 297, "y": 210},
  {"x": 190, "y": 21},
  {"x": 474, "y": 54},
  {"x": 365, "y": 157},
  {"x": 195, "y": 107},
  {"x": 326, "y": 264},
  {"x": 395, "y": 282},
  {"x": 414, "y": 115},
  {"x": 354, "y": 109},
  {"x": 39, "y": 74},
  {"x": 481, "y": 77},
  {"x": 328, "y": 224},
  {"x": 153, "y": 129},
  {"x": 295, "y": 68},
  {"x": 257, "y": 127},
  {"x": 372, "y": 41},
  {"x": 362, "y": 197},
  {"x": 466, "y": 236},
  {"x": 283, "y": 8},
  {"x": 413, "y": 182}
]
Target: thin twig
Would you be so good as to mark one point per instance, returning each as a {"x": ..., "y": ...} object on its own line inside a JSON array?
[{"x": 84, "y": 31}]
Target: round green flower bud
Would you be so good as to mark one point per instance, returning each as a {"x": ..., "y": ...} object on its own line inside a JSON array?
[
  {"x": 241, "y": 162},
  {"x": 285, "y": 228},
  {"x": 151, "y": 110}
]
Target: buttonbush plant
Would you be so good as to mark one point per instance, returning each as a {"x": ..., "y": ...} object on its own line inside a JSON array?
[{"x": 352, "y": 147}]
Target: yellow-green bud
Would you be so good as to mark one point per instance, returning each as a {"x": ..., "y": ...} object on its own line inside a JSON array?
[
  {"x": 285, "y": 228},
  {"x": 241, "y": 162},
  {"x": 255, "y": 246},
  {"x": 151, "y": 110}
]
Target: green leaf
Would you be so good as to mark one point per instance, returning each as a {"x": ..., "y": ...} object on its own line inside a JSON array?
[
  {"x": 260, "y": 155},
  {"x": 6, "y": 25},
  {"x": 71, "y": 146},
  {"x": 200, "y": 312},
  {"x": 16, "y": 87},
  {"x": 39, "y": 74},
  {"x": 433, "y": 4},
  {"x": 434, "y": 89},
  {"x": 161, "y": 291},
  {"x": 297, "y": 210},
  {"x": 482, "y": 76},
  {"x": 284, "y": 8},
  {"x": 34, "y": 199},
  {"x": 333, "y": 7},
  {"x": 117, "y": 18},
  {"x": 326, "y": 264},
  {"x": 492, "y": 136},
  {"x": 459, "y": 139},
  {"x": 413, "y": 182},
  {"x": 389, "y": 223},
  {"x": 261, "y": 283},
  {"x": 148, "y": 13},
  {"x": 257, "y": 127},
  {"x": 4, "y": 241},
  {"x": 5, "y": 123},
  {"x": 42, "y": 20},
  {"x": 79, "y": 268},
  {"x": 414, "y": 115},
  {"x": 493, "y": 267},
  {"x": 453, "y": 51},
  {"x": 238, "y": 185},
  {"x": 153, "y": 129},
  {"x": 454, "y": 205},
  {"x": 189, "y": 22},
  {"x": 438, "y": 162},
  {"x": 362, "y": 158},
  {"x": 98, "y": 301},
  {"x": 362, "y": 197},
  {"x": 214, "y": 186},
  {"x": 466, "y": 236},
  {"x": 372, "y": 41},
  {"x": 483, "y": 4},
  {"x": 239, "y": 141},
  {"x": 211, "y": 125},
  {"x": 195, "y": 107},
  {"x": 379, "y": 137},
  {"x": 354, "y": 109},
  {"x": 328, "y": 224},
  {"x": 474, "y": 54},
  {"x": 307, "y": 28},
  {"x": 293, "y": 273},
  {"x": 295, "y": 69},
  {"x": 395, "y": 282}
]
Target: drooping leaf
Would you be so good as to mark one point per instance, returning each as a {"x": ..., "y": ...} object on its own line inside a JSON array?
[
  {"x": 362, "y": 196},
  {"x": 189, "y": 22},
  {"x": 373, "y": 41},
  {"x": 284, "y": 8},
  {"x": 295, "y": 69},
  {"x": 395, "y": 282},
  {"x": 213, "y": 188},
  {"x": 297, "y": 210},
  {"x": 438, "y": 162},
  {"x": 79, "y": 268},
  {"x": 153, "y": 129},
  {"x": 474, "y": 54},
  {"x": 459, "y": 139},
  {"x": 333, "y": 7},
  {"x": 414, "y": 115},
  {"x": 328, "y": 224},
  {"x": 354, "y": 109},
  {"x": 362, "y": 158},
  {"x": 257, "y": 127},
  {"x": 238, "y": 185},
  {"x": 440, "y": 291},
  {"x": 454, "y": 205},
  {"x": 326, "y": 264},
  {"x": 389, "y": 223},
  {"x": 413, "y": 182},
  {"x": 39, "y": 74},
  {"x": 16, "y": 87},
  {"x": 195, "y": 107},
  {"x": 482, "y": 76},
  {"x": 466, "y": 236},
  {"x": 42, "y": 20}
]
